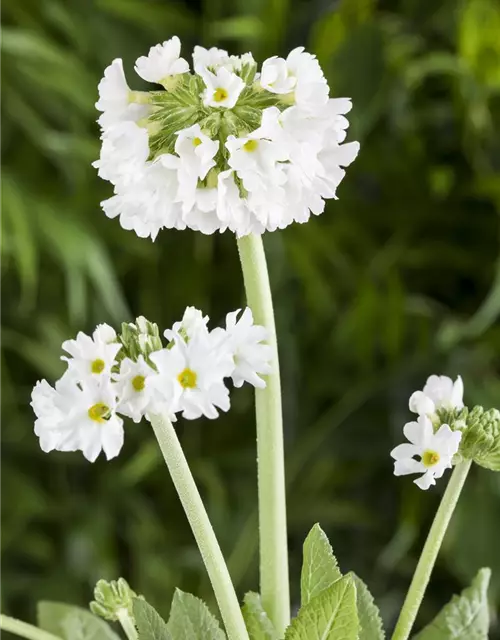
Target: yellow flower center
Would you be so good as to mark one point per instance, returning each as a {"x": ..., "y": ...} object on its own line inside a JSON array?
[
  {"x": 220, "y": 95},
  {"x": 97, "y": 366},
  {"x": 187, "y": 379},
  {"x": 196, "y": 142},
  {"x": 138, "y": 383},
  {"x": 430, "y": 458},
  {"x": 98, "y": 412},
  {"x": 251, "y": 145}
]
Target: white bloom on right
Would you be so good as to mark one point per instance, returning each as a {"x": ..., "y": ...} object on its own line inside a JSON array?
[
  {"x": 136, "y": 396},
  {"x": 440, "y": 392},
  {"x": 275, "y": 76},
  {"x": 246, "y": 342},
  {"x": 223, "y": 88},
  {"x": 162, "y": 62},
  {"x": 191, "y": 375},
  {"x": 193, "y": 323},
  {"x": 434, "y": 450},
  {"x": 92, "y": 357},
  {"x": 211, "y": 59},
  {"x": 311, "y": 88}
]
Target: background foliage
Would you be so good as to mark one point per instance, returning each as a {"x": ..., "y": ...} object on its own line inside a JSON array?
[{"x": 398, "y": 279}]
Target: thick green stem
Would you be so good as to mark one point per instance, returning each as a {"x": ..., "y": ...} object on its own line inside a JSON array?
[
  {"x": 202, "y": 529},
  {"x": 127, "y": 623},
  {"x": 274, "y": 585},
  {"x": 25, "y": 630},
  {"x": 430, "y": 551}
]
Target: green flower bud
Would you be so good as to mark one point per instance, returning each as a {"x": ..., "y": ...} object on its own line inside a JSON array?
[
  {"x": 481, "y": 438},
  {"x": 112, "y": 599},
  {"x": 141, "y": 338},
  {"x": 455, "y": 418}
]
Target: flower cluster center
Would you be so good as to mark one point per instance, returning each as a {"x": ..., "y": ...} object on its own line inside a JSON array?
[
  {"x": 187, "y": 379},
  {"x": 220, "y": 95},
  {"x": 99, "y": 412},
  {"x": 430, "y": 458},
  {"x": 139, "y": 382},
  {"x": 98, "y": 365}
]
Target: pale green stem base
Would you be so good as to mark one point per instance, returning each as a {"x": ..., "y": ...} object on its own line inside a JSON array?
[
  {"x": 430, "y": 551},
  {"x": 201, "y": 527},
  {"x": 127, "y": 624},
  {"x": 274, "y": 584},
  {"x": 25, "y": 630}
]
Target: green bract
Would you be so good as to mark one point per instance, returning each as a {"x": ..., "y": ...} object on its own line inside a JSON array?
[
  {"x": 481, "y": 438},
  {"x": 141, "y": 338},
  {"x": 111, "y": 598}
]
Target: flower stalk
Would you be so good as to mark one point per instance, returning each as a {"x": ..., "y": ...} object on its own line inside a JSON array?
[
  {"x": 430, "y": 551},
  {"x": 274, "y": 583},
  {"x": 24, "y": 630},
  {"x": 201, "y": 527}
]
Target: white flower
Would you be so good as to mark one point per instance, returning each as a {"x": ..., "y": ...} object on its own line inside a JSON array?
[
  {"x": 124, "y": 152},
  {"x": 223, "y": 88},
  {"x": 92, "y": 357},
  {"x": 440, "y": 392},
  {"x": 275, "y": 76},
  {"x": 162, "y": 62},
  {"x": 434, "y": 450},
  {"x": 137, "y": 396},
  {"x": 196, "y": 151},
  {"x": 115, "y": 98},
  {"x": 209, "y": 58},
  {"x": 193, "y": 323},
  {"x": 191, "y": 375},
  {"x": 311, "y": 88},
  {"x": 236, "y": 63},
  {"x": 245, "y": 341},
  {"x": 78, "y": 417}
]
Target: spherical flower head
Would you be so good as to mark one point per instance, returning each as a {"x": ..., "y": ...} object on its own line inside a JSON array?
[
  {"x": 223, "y": 88},
  {"x": 223, "y": 147},
  {"x": 113, "y": 598},
  {"x": 191, "y": 375},
  {"x": 434, "y": 451},
  {"x": 137, "y": 396},
  {"x": 439, "y": 392},
  {"x": 246, "y": 342},
  {"x": 162, "y": 62},
  {"x": 78, "y": 416},
  {"x": 92, "y": 357}
]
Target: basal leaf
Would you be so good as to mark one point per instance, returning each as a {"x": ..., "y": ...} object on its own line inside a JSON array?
[
  {"x": 465, "y": 617},
  {"x": 257, "y": 622},
  {"x": 73, "y": 623},
  {"x": 150, "y": 625},
  {"x": 331, "y": 615},
  {"x": 319, "y": 566},
  {"x": 190, "y": 619},
  {"x": 370, "y": 623}
]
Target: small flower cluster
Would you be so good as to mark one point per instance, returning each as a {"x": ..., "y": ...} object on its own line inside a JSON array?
[
  {"x": 432, "y": 443},
  {"x": 134, "y": 375},
  {"x": 223, "y": 147}
]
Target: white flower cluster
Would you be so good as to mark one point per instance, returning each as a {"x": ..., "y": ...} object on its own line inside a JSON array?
[
  {"x": 223, "y": 147},
  {"x": 430, "y": 451},
  {"x": 187, "y": 376}
]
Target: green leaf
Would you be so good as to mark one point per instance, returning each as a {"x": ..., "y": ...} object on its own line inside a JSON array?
[
  {"x": 190, "y": 619},
  {"x": 330, "y": 616},
  {"x": 370, "y": 623},
  {"x": 72, "y": 623},
  {"x": 150, "y": 625},
  {"x": 465, "y": 617},
  {"x": 257, "y": 622},
  {"x": 319, "y": 566}
]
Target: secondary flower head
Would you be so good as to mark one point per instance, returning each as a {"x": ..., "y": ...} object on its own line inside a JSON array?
[
  {"x": 427, "y": 452},
  {"x": 92, "y": 357},
  {"x": 221, "y": 147},
  {"x": 439, "y": 392}
]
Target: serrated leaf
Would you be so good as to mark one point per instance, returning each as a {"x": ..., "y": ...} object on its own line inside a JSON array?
[
  {"x": 257, "y": 622},
  {"x": 319, "y": 566},
  {"x": 150, "y": 625},
  {"x": 190, "y": 619},
  {"x": 370, "y": 622},
  {"x": 331, "y": 615},
  {"x": 465, "y": 617},
  {"x": 72, "y": 623}
]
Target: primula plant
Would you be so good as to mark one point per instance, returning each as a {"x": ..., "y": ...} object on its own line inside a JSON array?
[{"x": 226, "y": 146}]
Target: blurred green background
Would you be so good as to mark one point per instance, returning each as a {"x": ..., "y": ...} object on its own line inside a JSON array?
[{"x": 398, "y": 279}]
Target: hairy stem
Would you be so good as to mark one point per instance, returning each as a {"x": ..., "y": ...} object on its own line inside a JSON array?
[
  {"x": 25, "y": 630},
  {"x": 430, "y": 551},
  {"x": 274, "y": 585},
  {"x": 201, "y": 527}
]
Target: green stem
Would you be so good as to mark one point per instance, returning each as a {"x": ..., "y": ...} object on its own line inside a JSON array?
[
  {"x": 274, "y": 585},
  {"x": 430, "y": 551},
  {"x": 25, "y": 630},
  {"x": 201, "y": 527},
  {"x": 127, "y": 623}
]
